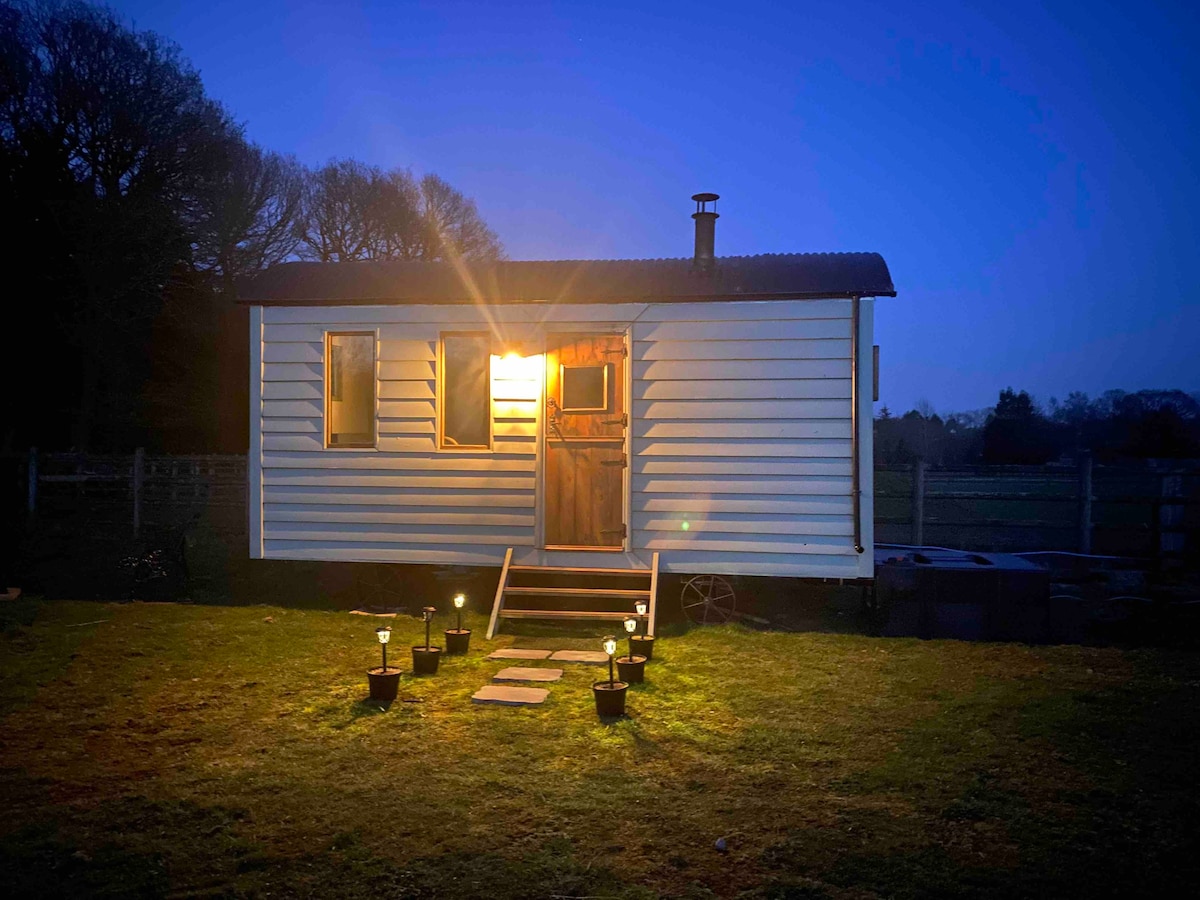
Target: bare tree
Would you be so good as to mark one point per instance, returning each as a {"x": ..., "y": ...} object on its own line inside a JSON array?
[
  {"x": 245, "y": 219},
  {"x": 358, "y": 212},
  {"x": 453, "y": 226},
  {"x": 339, "y": 224}
]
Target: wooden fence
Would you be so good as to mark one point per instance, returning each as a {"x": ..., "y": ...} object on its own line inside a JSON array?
[
  {"x": 131, "y": 494},
  {"x": 1148, "y": 511},
  {"x": 1143, "y": 511}
]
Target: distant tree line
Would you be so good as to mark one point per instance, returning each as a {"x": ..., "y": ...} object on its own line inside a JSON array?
[
  {"x": 1151, "y": 424},
  {"x": 132, "y": 204}
]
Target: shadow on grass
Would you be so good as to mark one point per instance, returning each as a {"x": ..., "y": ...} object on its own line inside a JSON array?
[
  {"x": 369, "y": 707},
  {"x": 135, "y": 847}
]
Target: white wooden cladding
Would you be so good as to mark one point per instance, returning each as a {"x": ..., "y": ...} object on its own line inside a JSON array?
[{"x": 740, "y": 438}]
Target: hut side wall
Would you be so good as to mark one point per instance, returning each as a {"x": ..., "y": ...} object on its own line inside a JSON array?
[{"x": 740, "y": 439}]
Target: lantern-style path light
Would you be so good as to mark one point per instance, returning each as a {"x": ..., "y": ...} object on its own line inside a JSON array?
[
  {"x": 425, "y": 659},
  {"x": 631, "y": 667},
  {"x": 610, "y": 695},
  {"x": 644, "y": 641},
  {"x": 384, "y": 681},
  {"x": 458, "y": 640},
  {"x": 384, "y": 634}
]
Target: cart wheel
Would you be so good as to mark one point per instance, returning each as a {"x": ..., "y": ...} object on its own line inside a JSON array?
[
  {"x": 383, "y": 586},
  {"x": 708, "y": 600}
]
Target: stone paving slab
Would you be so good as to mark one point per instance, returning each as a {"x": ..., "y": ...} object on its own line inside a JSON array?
[
  {"x": 520, "y": 673},
  {"x": 518, "y": 653},
  {"x": 589, "y": 657},
  {"x": 502, "y": 695}
]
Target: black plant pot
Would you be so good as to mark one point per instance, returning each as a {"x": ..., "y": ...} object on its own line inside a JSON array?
[
  {"x": 610, "y": 698},
  {"x": 632, "y": 669},
  {"x": 384, "y": 682},
  {"x": 425, "y": 661},
  {"x": 457, "y": 641},
  {"x": 643, "y": 646}
]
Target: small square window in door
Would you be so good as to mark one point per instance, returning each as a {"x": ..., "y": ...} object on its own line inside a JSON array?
[{"x": 584, "y": 388}]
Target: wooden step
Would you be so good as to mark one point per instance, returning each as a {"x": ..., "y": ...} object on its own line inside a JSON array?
[
  {"x": 554, "y": 570},
  {"x": 559, "y": 614},
  {"x": 620, "y": 594},
  {"x": 580, "y": 595}
]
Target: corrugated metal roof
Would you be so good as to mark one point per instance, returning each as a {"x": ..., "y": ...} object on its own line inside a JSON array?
[{"x": 765, "y": 277}]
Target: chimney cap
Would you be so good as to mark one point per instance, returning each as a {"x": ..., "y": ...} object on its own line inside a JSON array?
[{"x": 705, "y": 198}]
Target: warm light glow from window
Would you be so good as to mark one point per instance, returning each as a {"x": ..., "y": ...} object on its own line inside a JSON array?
[
  {"x": 516, "y": 377},
  {"x": 512, "y": 366}
]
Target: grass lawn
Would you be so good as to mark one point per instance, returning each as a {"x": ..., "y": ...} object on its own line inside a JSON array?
[{"x": 206, "y": 751}]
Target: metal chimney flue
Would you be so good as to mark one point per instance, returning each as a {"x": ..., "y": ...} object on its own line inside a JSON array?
[{"x": 706, "y": 232}]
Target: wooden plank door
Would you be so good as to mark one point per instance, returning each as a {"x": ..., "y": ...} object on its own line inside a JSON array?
[{"x": 585, "y": 441}]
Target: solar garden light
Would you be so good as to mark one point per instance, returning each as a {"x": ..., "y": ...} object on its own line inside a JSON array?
[
  {"x": 384, "y": 634},
  {"x": 425, "y": 659},
  {"x": 384, "y": 681},
  {"x": 458, "y": 640},
  {"x": 610, "y": 695},
  {"x": 631, "y": 667},
  {"x": 644, "y": 642}
]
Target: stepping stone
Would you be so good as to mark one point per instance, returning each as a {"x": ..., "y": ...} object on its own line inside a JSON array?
[
  {"x": 518, "y": 673},
  {"x": 502, "y": 695},
  {"x": 518, "y": 653},
  {"x": 590, "y": 657}
]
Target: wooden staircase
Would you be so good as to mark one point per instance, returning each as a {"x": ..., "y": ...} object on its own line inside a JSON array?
[{"x": 586, "y": 587}]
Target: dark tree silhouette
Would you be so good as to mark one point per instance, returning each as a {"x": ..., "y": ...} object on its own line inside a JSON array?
[
  {"x": 133, "y": 204},
  {"x": 246, "y": 217},
  {"x": 353, "y": 211},
  {"x": 107, "y": 142},
  {"x": 1116, "y": 427},
  {"x": 452, "y": 224},
  {"x": 1017, "y": 432}
]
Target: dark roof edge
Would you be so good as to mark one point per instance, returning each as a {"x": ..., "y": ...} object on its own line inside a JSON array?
[{"x": 674, "y": 298}]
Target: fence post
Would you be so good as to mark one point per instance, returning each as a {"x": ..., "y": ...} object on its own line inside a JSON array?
[
  {"x": 1170, "y": 519},
  {"x": 918, "y": 503},
  {"x": 31, "y": 478},
  {"x": 1085, "y": 502},
  {"x": 139, "y": 478}
]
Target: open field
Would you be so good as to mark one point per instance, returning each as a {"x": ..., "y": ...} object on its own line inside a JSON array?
[{"x": 179, "y": 750}]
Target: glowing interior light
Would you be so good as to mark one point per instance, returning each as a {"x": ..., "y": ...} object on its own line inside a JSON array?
[
  {"x": 514, "y": 366},
  {"x": 631, "y": 625},
  {"x": 642, "y": 607}
]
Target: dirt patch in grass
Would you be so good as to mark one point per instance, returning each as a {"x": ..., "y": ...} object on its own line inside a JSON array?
[{"x": 232, "y": 751}]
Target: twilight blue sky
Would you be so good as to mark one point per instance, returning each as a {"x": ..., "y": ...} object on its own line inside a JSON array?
[{"x": 1028, "y": 170}]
